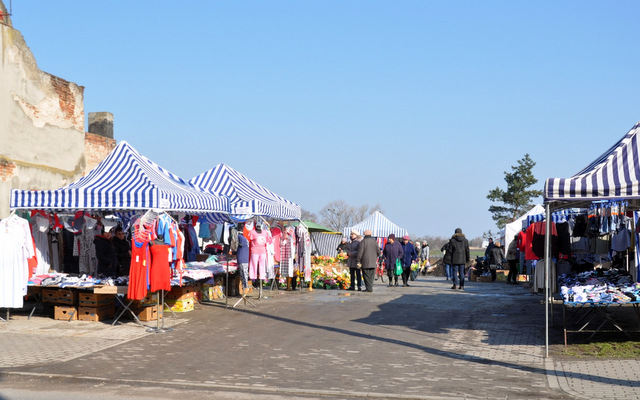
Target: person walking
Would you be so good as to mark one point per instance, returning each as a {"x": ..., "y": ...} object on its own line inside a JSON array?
[
  {"x": 512, "y": 259},
  {"x": 352, "y": 261},
  {"x": 392, "y": 252},
  {"x": 409, "y": 256},
  {"x": 496, "y": 259},
  {"x": 368, "y": 253},
  {"x": 424, "y": 257},
  {"x": 446, "y": 260},
  {"x": 460, "y": 256}
]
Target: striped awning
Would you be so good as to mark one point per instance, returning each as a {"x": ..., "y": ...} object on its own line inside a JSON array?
[
  {"x": 380, "y": 225},
  {"x": 613, "y": 175},
  {"x": 124, "y": 180},
  {"x": 246, "y": 197}
]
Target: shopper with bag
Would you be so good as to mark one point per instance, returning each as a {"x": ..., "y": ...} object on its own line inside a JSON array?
[
  {"x": 409, "y": 256},
  {"x": 393, "y": 253},
  {"x": 368, "y": 253}
]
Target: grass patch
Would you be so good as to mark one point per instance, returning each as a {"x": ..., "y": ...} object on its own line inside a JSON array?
[{"x": 629, "y": 349}]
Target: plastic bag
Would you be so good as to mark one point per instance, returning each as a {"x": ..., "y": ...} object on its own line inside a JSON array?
[{"x": 398, "y": 270}]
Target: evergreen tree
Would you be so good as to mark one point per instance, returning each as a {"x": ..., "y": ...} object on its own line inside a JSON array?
[{"x": 517, "y": 199}]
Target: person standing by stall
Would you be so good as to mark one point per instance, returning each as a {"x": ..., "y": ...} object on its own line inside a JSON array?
[
  {"x": 343, "y": 247},
  {"x": 424, "y": 257},
  {"x": 512, "y": 259},
  {"x": 106, "y": 254},
  {"x": 409, "y": 256},
  {"x": 352, "y": 261},
  {"x": 460, "y": 256},
  {"x": 368, "y": 253},
  {"x": 392, "y": 252},
  {"x": 123, "y": 251},
  {"x": 496, "y": 259},
  {"x": 446, "y": 260}
]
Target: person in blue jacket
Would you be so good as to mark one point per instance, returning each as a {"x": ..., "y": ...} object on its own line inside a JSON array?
[
  {"x": 409, "y": 256},
  {"x": 242, "y": 255},
  {"x": 392, "y": 252}
]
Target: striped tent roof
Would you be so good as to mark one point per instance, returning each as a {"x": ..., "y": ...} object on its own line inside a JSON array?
[
  {"x": 613, "y": 175},
  {"x": 246, "y": 197},
  {"x": 124, "y": 180},
  {"x": 380, "y": 225}
]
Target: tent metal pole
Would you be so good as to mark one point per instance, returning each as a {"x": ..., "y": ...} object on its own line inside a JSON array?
[{"x": 547, "y": 265}]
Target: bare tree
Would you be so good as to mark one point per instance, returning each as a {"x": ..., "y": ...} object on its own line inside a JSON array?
[
  {"x": 338, "y": 214},
  {"x": 307, "y": 215}
]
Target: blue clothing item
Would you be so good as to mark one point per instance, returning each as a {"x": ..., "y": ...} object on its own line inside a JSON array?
[
  {"x": 243, "y": 249},
  {"x": 409, "y": 254},
  {"x": 458, "y": 275},
  {"x": 391, "y": 252},
  {"x": 447, "y": 271}
]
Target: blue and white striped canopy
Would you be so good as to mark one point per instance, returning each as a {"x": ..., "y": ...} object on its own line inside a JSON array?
[
  {"x": 378, "y": 224},
  {"x": 124, "y": 180},
  {"x": 613, "y": 175},
  {"x": 246, "y": 197}
]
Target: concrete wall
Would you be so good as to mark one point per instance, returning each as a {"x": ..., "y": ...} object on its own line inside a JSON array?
[{"x": 42, "y": 139}]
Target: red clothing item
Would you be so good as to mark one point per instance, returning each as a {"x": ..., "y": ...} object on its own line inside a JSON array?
[
  {"x": 138, "y": 270},
  {"x": 160, "y": 271},
  {"x": 275, "y": 237},
  {"x": 526, "y": 243}
]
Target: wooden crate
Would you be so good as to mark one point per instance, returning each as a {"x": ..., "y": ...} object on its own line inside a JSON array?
[
  {"x": 65, "y": 313},
  {"x": 67, "y": 296},
  {"x": 50, "y": 295},
  {"x": 182, "y": 292},
  {"x": 95, "y": 299},
  {"x": 96, "y": 313},
  {"x": 147, "y": 313}
]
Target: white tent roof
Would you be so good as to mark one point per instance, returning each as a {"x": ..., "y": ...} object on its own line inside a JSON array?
[
  {"x": 380, "y": 225},
  {"x": 511, "y": 229}
]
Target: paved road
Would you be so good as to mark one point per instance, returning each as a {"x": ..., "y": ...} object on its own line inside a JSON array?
[{"x": 420, "y": 342}]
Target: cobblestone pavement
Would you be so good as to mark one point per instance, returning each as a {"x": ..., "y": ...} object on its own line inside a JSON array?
[{"x": 425, "y": 341}]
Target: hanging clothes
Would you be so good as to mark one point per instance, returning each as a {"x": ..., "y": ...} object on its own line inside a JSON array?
[
  {"x": 160, "y": 270},
  {"x": 304, "y": 251},
  {"x": 275, "y": 235},
  {"x": 140, "y": 261},
  {"x": 85, "y": 250},
  {"x": 287, "y": 254},
  {"x": 40, "y": 233},
  {"x": 16, "y": 246}
]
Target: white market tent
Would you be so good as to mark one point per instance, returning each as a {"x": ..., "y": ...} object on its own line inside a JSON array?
[
  {"x": 512, "y": 228},
  {"x": 246, "y": 197},
  {"x": 124, "y": 180},
  {"x": 615, "y": 175},
  {"x": 380, "y": 225}
]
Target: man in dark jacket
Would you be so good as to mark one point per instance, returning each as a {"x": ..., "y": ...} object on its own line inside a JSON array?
[
  {"x": 409, "y": 256},
  {"x": 368, "y": 253},
  {"x": 352, "y": 251},
  {"x": 459, "y": 247},
  {"x": 446, "y": 260},
  {"x": 392, "y": 252}
]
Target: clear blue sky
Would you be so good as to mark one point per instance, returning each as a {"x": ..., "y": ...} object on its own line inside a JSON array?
[{"x": 419, "y": 106}]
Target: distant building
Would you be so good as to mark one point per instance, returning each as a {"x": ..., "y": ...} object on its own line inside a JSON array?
[{"x": 43, "y": 144}]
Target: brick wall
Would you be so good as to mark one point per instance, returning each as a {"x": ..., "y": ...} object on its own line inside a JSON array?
[
  {"x": 7, "y": 169},
  {"x": 96, "y": 148}
]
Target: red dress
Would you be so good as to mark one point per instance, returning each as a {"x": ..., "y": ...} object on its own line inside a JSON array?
[
  {"x": 160, "y": 271},
  {"x": 138, "y": 270}
]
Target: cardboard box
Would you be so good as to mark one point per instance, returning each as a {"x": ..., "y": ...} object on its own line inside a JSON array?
[
  {"x": 95, "y": 300},
  {"x": 147, "y": 313},
  {"x": 183, "y": 305},
  {"x": 501, "y": 275},
  {"x": 485, "y": 278},
  {"x": 65, "y": 313},
  {"x": 212, "y": 292},
  {"x": 96, "y": 313},
  {"x": 182, "y": 292}
]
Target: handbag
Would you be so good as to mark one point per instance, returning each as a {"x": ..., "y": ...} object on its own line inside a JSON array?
[{"x": 398, "y": 270}]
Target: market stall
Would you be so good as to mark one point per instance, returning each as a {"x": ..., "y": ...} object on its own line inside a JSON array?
[
  {"x": 126, "y": 185},
  {"x": 253, "y": 204},
  {"x": 380, "y": 226},
  {"x": 610, "y": 183}
]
